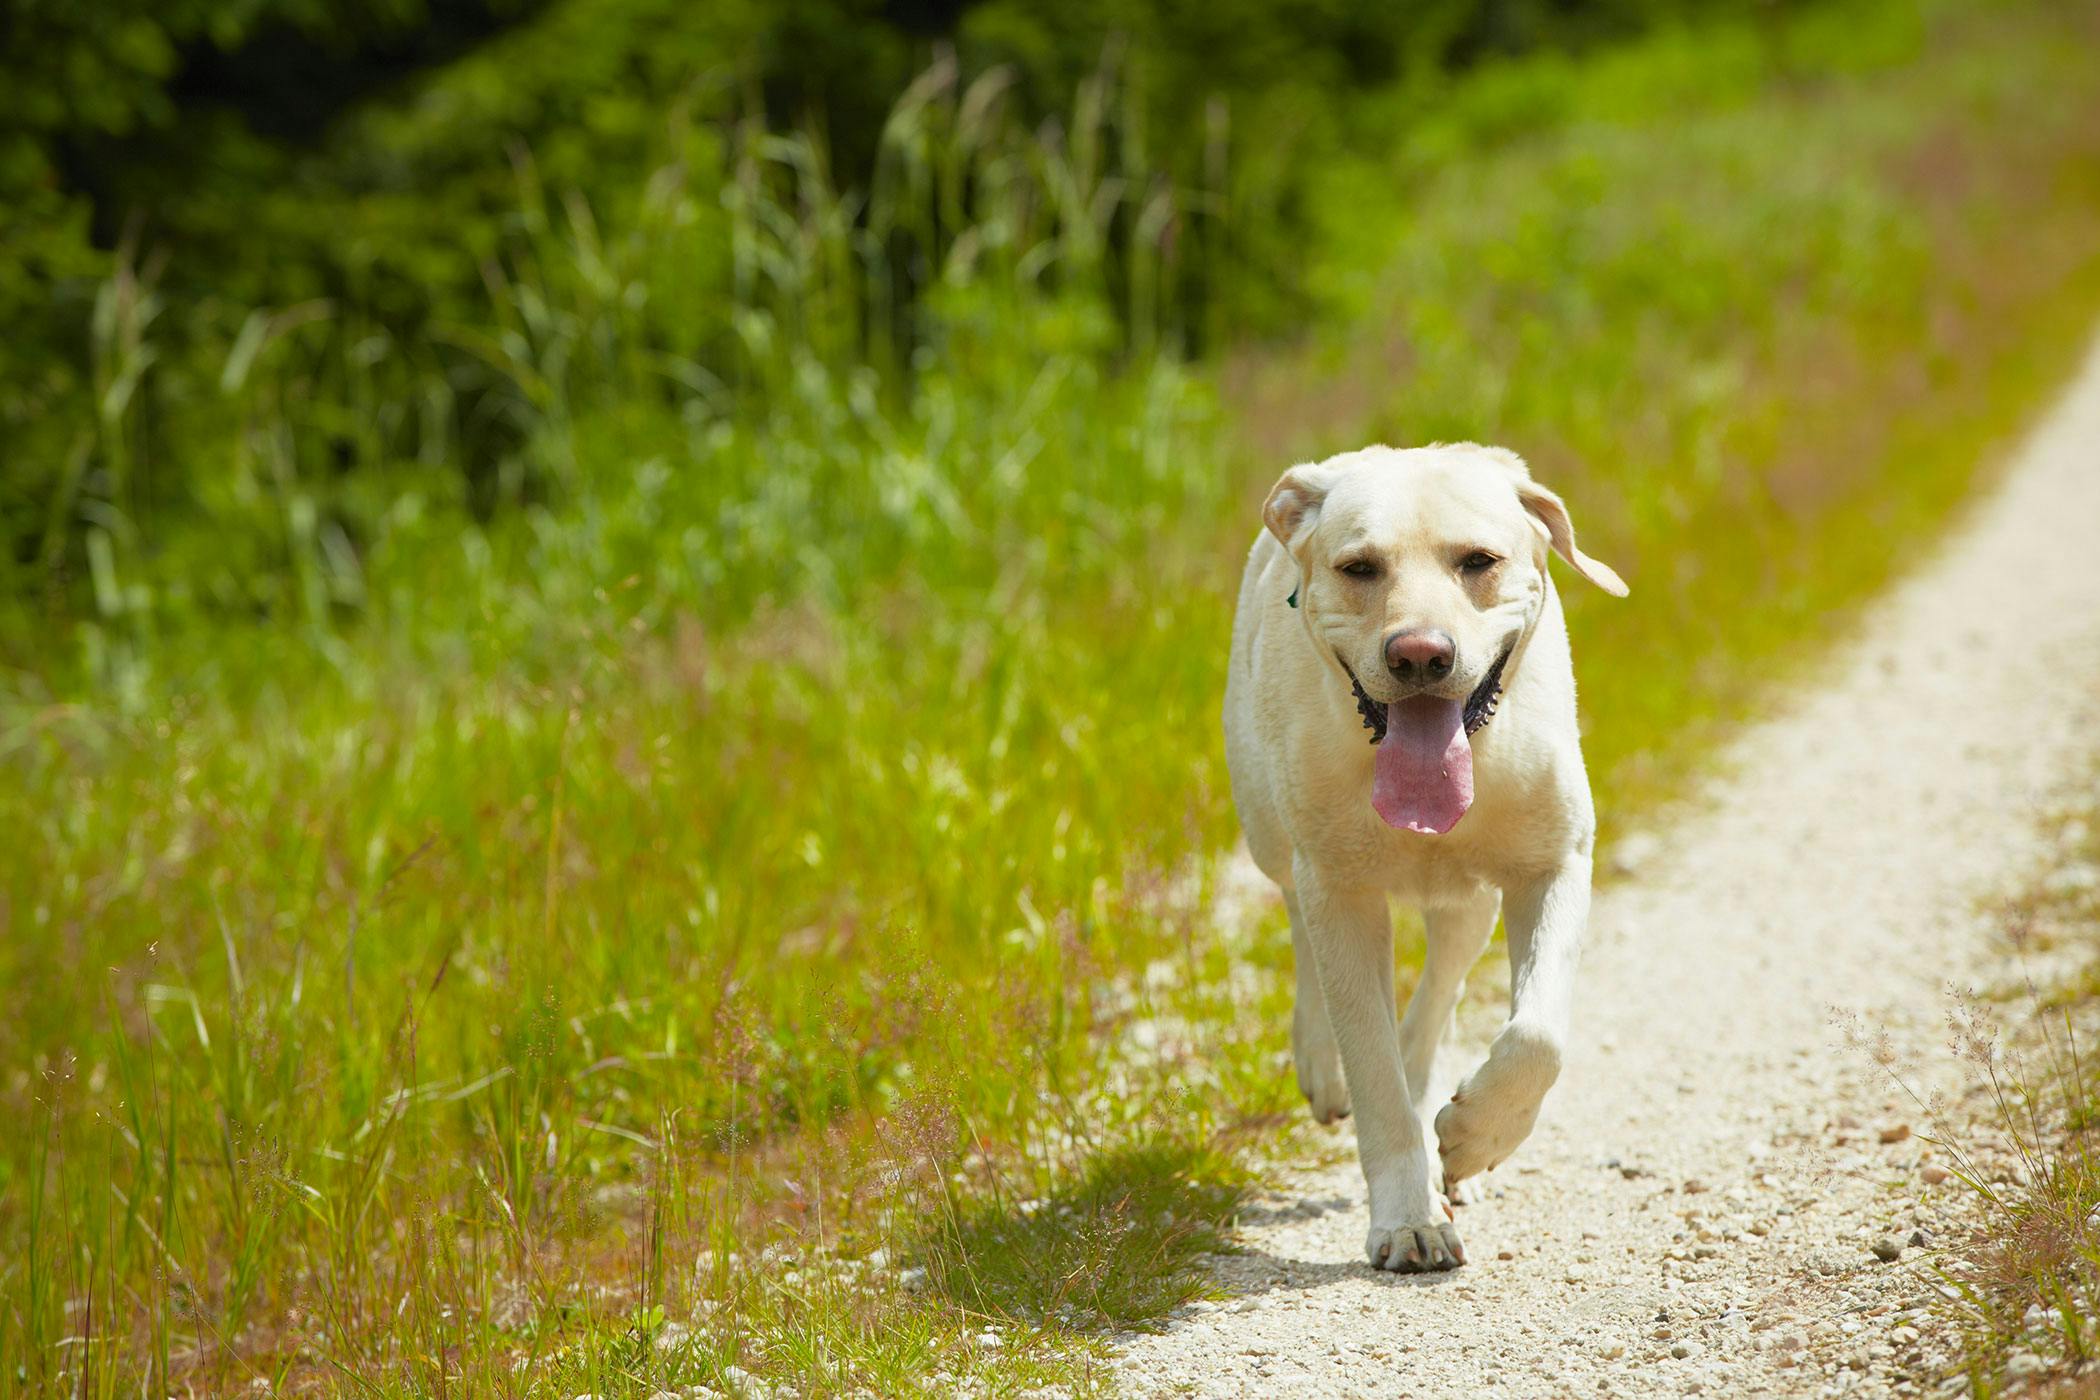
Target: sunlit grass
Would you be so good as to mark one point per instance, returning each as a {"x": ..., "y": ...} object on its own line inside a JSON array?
[{"x": 2021, "y": 1287}]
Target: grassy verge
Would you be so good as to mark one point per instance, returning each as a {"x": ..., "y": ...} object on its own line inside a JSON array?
[
  {"x": 2023, "y": 1287},
  {"x": 749, "y": 916}
]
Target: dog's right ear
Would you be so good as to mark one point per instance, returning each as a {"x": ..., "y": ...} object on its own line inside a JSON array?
[{"x": 1293, "y": 506}]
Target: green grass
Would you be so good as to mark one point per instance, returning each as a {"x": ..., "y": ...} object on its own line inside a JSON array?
[
  {"x": 775, "y": 831},
  {"x": 2022, "y": 1288}
]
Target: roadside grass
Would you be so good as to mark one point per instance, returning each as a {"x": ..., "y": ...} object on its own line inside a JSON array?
[
  {"x": 1113, "y": 1248},
  {"x": 756, "y": 905},
  {"x": 2024, "y": 1286}
]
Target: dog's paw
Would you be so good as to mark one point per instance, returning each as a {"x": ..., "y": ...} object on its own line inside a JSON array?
[
  {"x": 1470, "y": 1191},
  {"x": 1476, "y": 1131},
  {"x": 1493, "y": 1111},
  {"x": 1319, "y": 1065},
  {"x": 1326, "y": 1092},
  {"x": 1427, "y": 1247}
]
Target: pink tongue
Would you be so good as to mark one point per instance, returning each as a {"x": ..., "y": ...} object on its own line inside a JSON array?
[{"x": 1424, "y": 778}]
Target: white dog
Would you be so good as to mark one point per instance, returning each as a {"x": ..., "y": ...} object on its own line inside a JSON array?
[{"x": 1405, "y": 592}]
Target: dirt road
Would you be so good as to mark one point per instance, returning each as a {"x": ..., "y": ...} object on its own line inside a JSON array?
[{"x": 1698, "y": 1209}]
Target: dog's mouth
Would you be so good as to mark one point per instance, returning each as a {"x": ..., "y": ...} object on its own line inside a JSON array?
[{"x": 1423, "y": 779}]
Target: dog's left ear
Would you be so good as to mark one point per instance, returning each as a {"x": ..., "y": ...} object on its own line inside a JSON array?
[
  {"x": 1294, "y": 501},
  {"x": 1550, "y": 514}
]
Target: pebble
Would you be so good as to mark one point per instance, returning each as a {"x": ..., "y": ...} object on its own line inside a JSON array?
[
  {"x": 1887, "y": 1249},
  {"x": 1932, "y": 1173},
  {"x": 1632, "y": 851},
  {"x": 2022, "y": 1364}
]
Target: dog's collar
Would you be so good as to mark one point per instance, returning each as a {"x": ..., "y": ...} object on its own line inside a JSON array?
[{"x": 1480, "y": 705}]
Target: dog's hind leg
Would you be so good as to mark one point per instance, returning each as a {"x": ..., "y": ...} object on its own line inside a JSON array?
[
  {"x": 1313, "y": 1051},
  {"x": 1456, "y": 935},
  {"x": 1429, "y": 1031}
]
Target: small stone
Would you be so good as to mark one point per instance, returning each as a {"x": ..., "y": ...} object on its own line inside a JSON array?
[
  {"x": 1682, "y": 1350},
  {"x": 1629, "y": 853},
  {"x": 1921, "y": 1238},
  {"x": 1612, "y": 1351},
  {"x": 1932, "y": 1173},
  {"x": 2022, "y": 1364},
  {"x": 1694, "y": 1187},
  {"x": 1895, "y": 1132},
  {"x": 1887, "y": 1249},
  {"x": 1504, "y": 1254}
]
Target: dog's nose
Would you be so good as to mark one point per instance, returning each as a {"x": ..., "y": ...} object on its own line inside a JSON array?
[{"x": 1420, "y": 654}]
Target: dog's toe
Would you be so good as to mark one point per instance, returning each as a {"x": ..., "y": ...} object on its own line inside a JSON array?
[
  {"x": 1326, "y": 1093},
  {"x": 1468, "y": 1191},
  {"x": 1475, "y": 1132},
  {"x": 1415, "y": 1249}
]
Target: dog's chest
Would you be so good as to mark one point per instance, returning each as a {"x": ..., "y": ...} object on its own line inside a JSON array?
[{"x": 1431, "y": 870}]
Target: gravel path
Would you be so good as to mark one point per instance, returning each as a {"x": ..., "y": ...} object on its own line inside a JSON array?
[{"x": 1698, "y": 1209}]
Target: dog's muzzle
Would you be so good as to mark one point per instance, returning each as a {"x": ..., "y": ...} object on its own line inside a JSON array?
[{"x": 1480, "y": 705}]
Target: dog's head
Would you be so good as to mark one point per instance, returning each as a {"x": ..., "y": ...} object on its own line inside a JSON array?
[{"x": 1420, "y": 571}]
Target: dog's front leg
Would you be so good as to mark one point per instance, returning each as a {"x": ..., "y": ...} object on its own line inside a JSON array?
[
  {"x": 1495, "y": 1108},
  {"x": 1351, "y": 933}
]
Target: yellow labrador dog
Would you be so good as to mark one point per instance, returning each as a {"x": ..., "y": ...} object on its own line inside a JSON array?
[{"x": 1405, "y": 593}]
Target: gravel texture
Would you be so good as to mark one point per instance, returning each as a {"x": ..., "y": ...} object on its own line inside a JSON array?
[{"x": 1727, "y": 1195}]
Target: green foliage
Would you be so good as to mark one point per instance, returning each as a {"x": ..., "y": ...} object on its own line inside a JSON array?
[
  {"x": 355, "y": 170},
  {"x": 1120, "y": 1246},
  {"x": 2027, "y": 1283}
]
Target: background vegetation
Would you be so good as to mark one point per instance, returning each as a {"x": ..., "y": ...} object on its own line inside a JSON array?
[
  {"x": 614, "y": 619},
  {"x": 2021, "y": 1287}
]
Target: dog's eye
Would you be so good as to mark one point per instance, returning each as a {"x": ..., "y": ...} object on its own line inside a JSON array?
[
  {"x": 1478, "y": 562},
  {"x": 1359, "y": 568}
]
